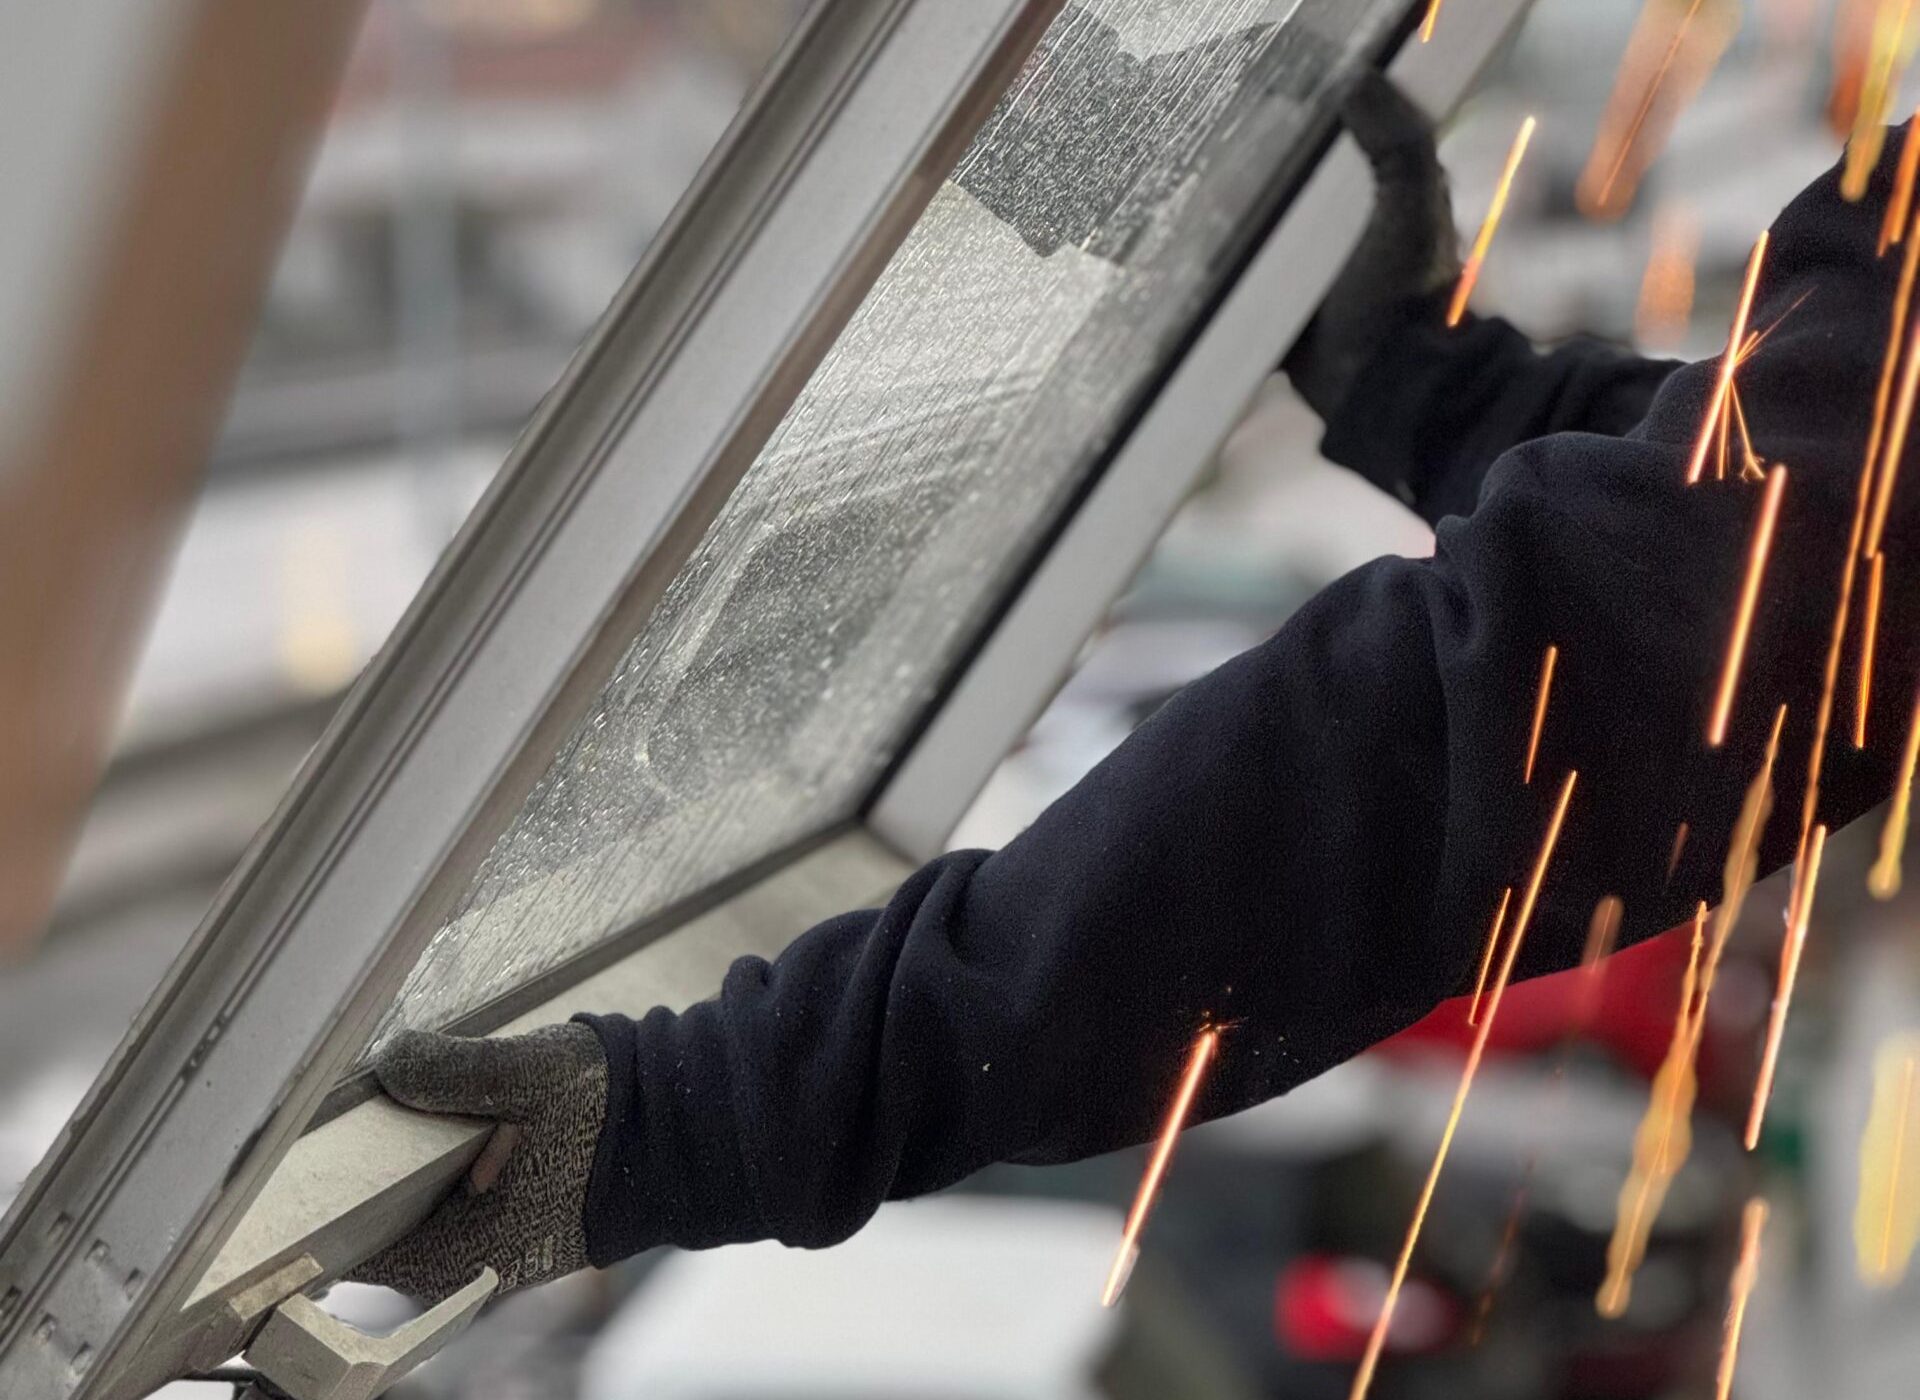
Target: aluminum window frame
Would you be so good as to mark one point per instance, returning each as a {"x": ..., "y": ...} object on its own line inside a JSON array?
[
  {"x": 292, "y": 1214},
  {"x": 603, "y": 498}
]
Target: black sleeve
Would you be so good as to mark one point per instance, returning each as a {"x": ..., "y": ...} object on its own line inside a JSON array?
[
  {"x": 1434, "y": 410},
  {"x": 1307, "y": 845}
]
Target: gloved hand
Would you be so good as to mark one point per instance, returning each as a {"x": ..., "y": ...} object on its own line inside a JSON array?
[
  {"x": 520, "y": 1208},
  {"x": 1404, "y": 268}
]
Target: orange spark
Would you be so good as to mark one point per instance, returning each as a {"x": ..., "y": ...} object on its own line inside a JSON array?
[
  {"x": 1884, "y": 879},
  {"x": 1836, "y": 637},
  {"x": 1783, "y": 997},
  {"x": 1204, "y": 1049},
  {"x": 1745, "y": 1273},
  {"x": 1749, "y": 599},
  {"x": 1603, "y": 931},
  {"x": 1502, "y": 1256},
  {"x": 1540, "y": 710},
  {"x": 1666, "y": 288},
  {"x": 1662, "y": 1141},
  {"x": 1896, "y": 335},
  {"x": 1679, "y": 846},
  {"x": 1895, "y": 449},
  {"x": 1486, "y": 956},
  {"x": 1885, "y": 1261},
  {"x": 1743, "y": 851},
  {"x": 1664, "y": 1138},
  {"x": 1433, "y": 18},
  {"x": 1876, "y": 99},
  {"x": 1895, "y": 221},
  {"x": 1886, "y": 1212},
  {"x": 1870, "y": 633},
  {"x": 1636, "y": 122},
  {"x": 1751, "y": 467},
  {"x": 1727, "y": 427},
  {"x": 1370, "y": 1360},
  {"x": 1729, "y": 361},
  {"x": 1470, "y": 274},
  {"x": 1760, "y": 338},
  {"x": 1852, "y": 55}
]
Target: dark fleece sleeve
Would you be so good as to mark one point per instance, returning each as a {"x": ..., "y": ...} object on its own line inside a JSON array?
[
  {"x": 1436, "y": 408},
  {"x": 1307, "y": 844}
]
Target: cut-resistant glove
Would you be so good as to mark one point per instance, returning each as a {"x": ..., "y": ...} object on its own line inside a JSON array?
[
  {"x": 519, "y": 1209},
  {"x": 1402, "y": 272}
]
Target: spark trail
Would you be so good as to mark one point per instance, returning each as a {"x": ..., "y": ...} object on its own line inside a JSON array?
[
  {"x": 1486, "y": 956},
  {"x": 1894, "y": 450},
  {"x": 1743, "y": 851},
  {"x": 1887, "y": 446},
  {"x": 1806, "y": 883},
  {"x": 1204, "y": 1049},
  {"x": 1662, "y": 1141},
  {"x": 1751, "y": 466},
  {"x": 1897, "y": 207},
  {"x": 1636, "y": 122},
  {"x": 1836, "y": 637},
  {"x": 1666, "y": 288},
  {"x": 1470, "y": 274},
  {"x": 1376, "y": 1342},
  {"x": 1729, "y": 361},
  {"x": 1745, "y": 1274},
  {"x": 1679, "y": 849},
  {"x": 1886, "y": 1217},
  {"x": 1540, "y": 710},
  {"x": 1870, "y": 633},
  {"x": 1749, "y": 599},
  {"x": 1603, "y": 931},
  {"x": 1884, "y": 879},
  {"x": 1876, "y": 98}
]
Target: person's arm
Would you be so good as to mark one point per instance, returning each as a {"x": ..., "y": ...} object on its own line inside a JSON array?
[
  {"x": 1431, "y": 412},
  {"x": 1419, "y": 408},
  {"x": 1304, "y": 847},
  {"x": 1416, "y": 407}
]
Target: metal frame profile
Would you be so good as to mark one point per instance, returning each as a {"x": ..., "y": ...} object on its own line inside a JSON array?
[
  {"x": 365, "y": 1176},
  {"x": 604, "y": 497}
]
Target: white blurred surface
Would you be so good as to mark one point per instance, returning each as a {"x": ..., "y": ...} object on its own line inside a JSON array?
[{"x": 897, "y": 1310}]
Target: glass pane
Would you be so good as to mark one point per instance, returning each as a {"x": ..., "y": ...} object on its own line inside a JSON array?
[{"x": 1048, "y": 284}]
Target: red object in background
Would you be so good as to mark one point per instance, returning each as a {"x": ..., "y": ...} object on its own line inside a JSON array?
[
  {"x": 1633, "y": 1014},
  {"x": 1324, "y": 1308}
]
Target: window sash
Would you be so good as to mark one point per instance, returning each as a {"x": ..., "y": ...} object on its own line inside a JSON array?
[{"x": 602, "y": 500}]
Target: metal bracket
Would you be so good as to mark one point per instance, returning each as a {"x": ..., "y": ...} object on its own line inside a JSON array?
[{"x": 309, "y": 1354}]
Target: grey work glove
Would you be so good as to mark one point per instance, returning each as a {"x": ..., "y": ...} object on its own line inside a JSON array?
[
  {"x": 520, "y": 1207},
  {"x": 1403, "y": 270}
]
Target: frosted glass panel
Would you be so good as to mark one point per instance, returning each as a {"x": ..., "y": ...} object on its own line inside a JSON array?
[{"x": 1043, "y": 291}]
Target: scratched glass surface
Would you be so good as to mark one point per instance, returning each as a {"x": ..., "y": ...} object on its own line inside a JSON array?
[{"x": 1033, "y": 304}]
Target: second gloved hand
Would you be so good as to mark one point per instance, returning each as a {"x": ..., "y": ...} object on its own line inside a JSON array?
[
  {"x": 1406, "y": 262},
  {"x": 520, "y": 1207}
]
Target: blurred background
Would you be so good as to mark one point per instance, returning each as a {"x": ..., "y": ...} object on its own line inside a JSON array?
[{"x": 458, "y": 207}]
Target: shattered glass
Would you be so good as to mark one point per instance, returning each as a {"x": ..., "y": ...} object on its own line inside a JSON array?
[{"x": 1049, "y": 283}]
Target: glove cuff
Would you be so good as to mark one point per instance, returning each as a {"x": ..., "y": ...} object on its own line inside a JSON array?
[{"x": 611, "y": 1216}]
